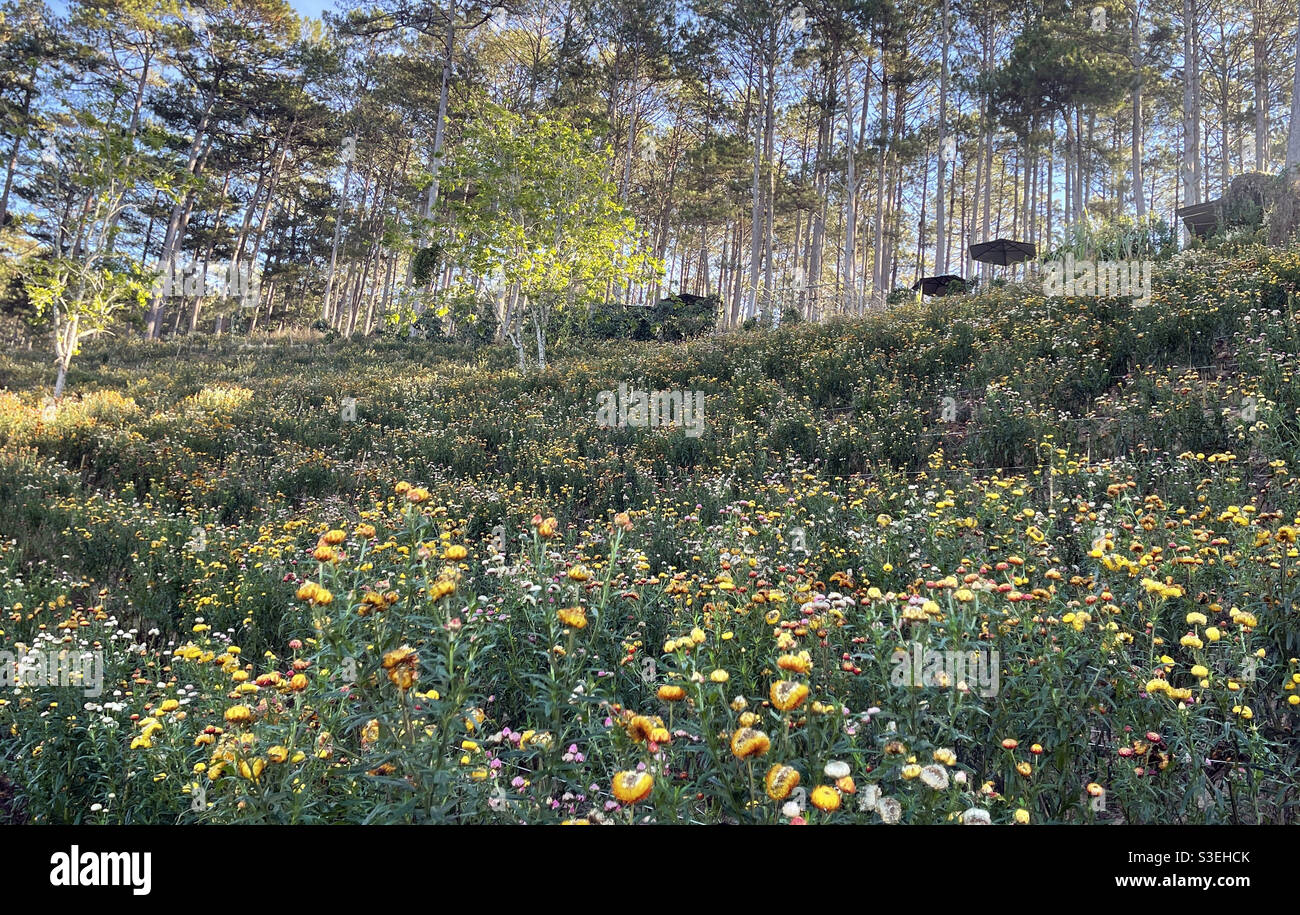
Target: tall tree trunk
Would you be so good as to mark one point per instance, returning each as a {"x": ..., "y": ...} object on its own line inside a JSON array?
[
  {"x": 180, "y": 209},
  {"x": 1191, "y": 166},
  {"x": 769, "y": 181},
  {"x": 1259, "y": 53},
  {"x": 940, "y": 224},
  {"x": 878, "y": 260},
  {"x": 850, "y": 196},
  {"x": 1139, "y": 198},
  {"x": 1293, "y": 129},
  {"x": 11, "y": 164},
  {"x": 440, "y": 130}
]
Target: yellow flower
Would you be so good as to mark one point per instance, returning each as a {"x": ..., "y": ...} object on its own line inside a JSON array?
[
  {"x": 455, "y": 553},
  {"x": 825, "y": 798},
  {"x": 579, "y": 573},
  {"x": 799, "y": 663},
  {"x": 1213, "y": 634},
  {"x": 401, "y": 666},
  {"x": 671, "y": 693},
  {"x": 640, "y": 727},
  {"x": 277, "y": 754},
  {"x": 945, "y": 756},
  {"x": 573, "y": 617},
  {"x": 1022, "y": 816},
  {"x": 1196, "y": 619},
  {"x": 239, "y": 714},
  {"x": 632, "y": 787},
  {"x": 780, "y": 781},
  {"x": 911, "y": 771},
  {"x": 1024, "y": 768},
  {"x": 788, "y": 694},
  {"x": 747, "y": 742},
  {"x": 720, "y": 675}
]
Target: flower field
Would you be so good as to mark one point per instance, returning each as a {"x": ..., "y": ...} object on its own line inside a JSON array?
[{"x": 995, "y": 558}]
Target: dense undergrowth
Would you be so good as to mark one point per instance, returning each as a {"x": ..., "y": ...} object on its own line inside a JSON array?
[{"x": 1099, "y": 492}]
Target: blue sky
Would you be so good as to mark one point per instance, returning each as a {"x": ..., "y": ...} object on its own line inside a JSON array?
[
  {"x": 303, "y": 7},
  {"x": 312, "y": 7}
]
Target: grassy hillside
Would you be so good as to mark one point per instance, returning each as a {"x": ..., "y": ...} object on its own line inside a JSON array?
[{"x": 1101, "y": 493}]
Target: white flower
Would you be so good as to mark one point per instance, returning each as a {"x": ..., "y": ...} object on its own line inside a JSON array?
[
  {"x": 790, "y": 810},
  {"x": 836, "y": 769},
  {"x": 890, "y": 810},
  {"x": 869, "y": 797},
  {"x": 976, "y": 816},
  {"x": 959, "y": 777},
  {"x": 935, "y": 776},
  {"x": 95, "y": 808}
]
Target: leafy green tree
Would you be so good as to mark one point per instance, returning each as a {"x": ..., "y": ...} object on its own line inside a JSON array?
[
  {"x": 536, "y": 220},
  {"x": 78, "y": 286}
]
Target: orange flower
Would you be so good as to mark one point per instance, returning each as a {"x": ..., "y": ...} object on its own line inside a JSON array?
[
  {"x": 787, "y": 694},
  {"x": 780, "y": 781},
  {"x": 671, "y": 693},
  {"x": 747, "y": 742},
  {"x": 401, "y": 666}
]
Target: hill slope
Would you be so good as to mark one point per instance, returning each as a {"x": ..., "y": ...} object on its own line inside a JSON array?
[{"x": 1085, "y": 487}]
